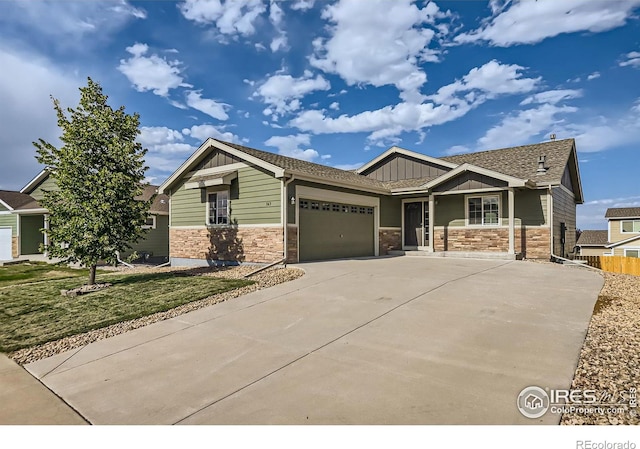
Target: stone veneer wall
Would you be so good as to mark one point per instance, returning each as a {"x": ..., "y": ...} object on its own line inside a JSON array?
[
  {"x": 533, "y": 242},
  {"x": 228, "y": 244},
  {"x": 390, "y": 239},
  {"x": 14, "y": 247},
  {"x": 292, "y": 244}
]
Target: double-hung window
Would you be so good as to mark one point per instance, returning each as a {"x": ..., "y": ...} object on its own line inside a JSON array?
[
  {"x": 218, "y": 212},
  {"x": 630, "y": 226},
  {"x": 483, "y": 210}
]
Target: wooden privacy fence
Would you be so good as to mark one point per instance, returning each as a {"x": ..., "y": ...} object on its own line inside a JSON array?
[{"x": 614, "y": 264}]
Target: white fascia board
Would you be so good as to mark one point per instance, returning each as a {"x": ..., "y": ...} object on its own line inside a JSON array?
[
  {"x": 413, "y": 154},
  {"x": 623, "y": 242},
  {"x": 6, "y": 205},
  {"x": 510, "y": 180},
  {"x": 35, "y": 181}
]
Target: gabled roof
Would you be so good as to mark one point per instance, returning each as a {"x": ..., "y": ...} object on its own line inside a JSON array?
[
  {"x": 623, "y": 212},
  {"x": 278, "y": 165},
  {"x": 593, "y": 238},
  {"x": 35, "y": 181},
  {"x": 17, "y": 201},
  {"x": 160, "y": 203},
  {"x": 397, "y": 150}
]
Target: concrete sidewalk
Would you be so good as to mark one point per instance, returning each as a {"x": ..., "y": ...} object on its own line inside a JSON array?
[
  {"x": 381, "y": 341},
  {"x": 26, "y": 401}
]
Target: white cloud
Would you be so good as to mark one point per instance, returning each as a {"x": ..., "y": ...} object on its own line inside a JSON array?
[
  {"x": 552, "y": 96},
  {"x": 231, "y": 17},
  {"x": 290, "y": 146},
  {"x": 69, "y": 22},
  {"x": 449, "y": 103},
  {"x": 519, "y": 128},
  {"x": 457, "y": 149},
  {"x": 26, "y": 82},
  {"x": 529, "y": 22},
  {"x": 302, "y": 5},
  {"x": 633, "y": 60},
  {"x": 151, "y": 73},
  {"x": 276, "y": 17},
  {"x": 349, "y": 167},
  {"x": 207, "y": 106},
  {"x": 155, "y": 135},
  {"x": 596, "y": 75},
  {"x": 335, "y": 106},
  {"x": 590, "y": 215},
  {"x": 379, "y": 42},
  {"x": 203, "y": 132},
  {"x": 282, "y": 93}
]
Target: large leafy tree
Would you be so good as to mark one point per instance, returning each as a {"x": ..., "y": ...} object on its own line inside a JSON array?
[{"x": 99, "y": 170}]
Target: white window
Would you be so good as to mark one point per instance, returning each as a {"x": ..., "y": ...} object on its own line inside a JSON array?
[
  {"x": 630, "y": 226},
  {"x": 483, "y": 210},
  {"x": 632, "y": 252},
  {"x": 218, "y": 208},
  {"x": 150, "y": 223}
]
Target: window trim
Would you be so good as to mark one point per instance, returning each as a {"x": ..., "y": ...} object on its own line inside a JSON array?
[
  {"x": 151, "y": 226},
  {"x": 208, "y": 203},
  {"x": 631, "y": 249},
  {"x": 497, "y": 195},
  {"x": 622, "y": 231}
]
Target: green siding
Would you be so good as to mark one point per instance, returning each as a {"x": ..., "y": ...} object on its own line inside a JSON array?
[
  {"x": 7, "y": 220},
  {"x": 31, "y": 235},
  {"x": 254, "y": 199},
  {"x": 156, "y": 241},
  {"x": 390, "y": 212},
  {"x": 2, "y": 208},
  {"x": 48, "y": 184},
  {"x": 530, "y": 209}
]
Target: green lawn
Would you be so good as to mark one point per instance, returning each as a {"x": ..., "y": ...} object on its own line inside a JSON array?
[
  {"x": 36, "y": 271},
  {"x": 35, "y": 313}
]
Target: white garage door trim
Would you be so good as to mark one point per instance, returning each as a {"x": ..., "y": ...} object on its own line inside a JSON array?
[
  {"x": 6, "y": 246},
  {"x": 313, "y": 193}
]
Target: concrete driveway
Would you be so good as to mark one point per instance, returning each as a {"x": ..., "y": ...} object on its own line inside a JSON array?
[{"x": 402, "y": 340}]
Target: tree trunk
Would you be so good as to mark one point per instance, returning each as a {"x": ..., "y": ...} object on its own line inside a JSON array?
[{"x": 92, "y": 274}]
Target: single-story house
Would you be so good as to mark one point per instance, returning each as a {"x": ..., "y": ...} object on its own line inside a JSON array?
[
  {"x": 622, "y": 237},
  {"x": 229, "y": 203},
  {"x": 22, "y": 219}
]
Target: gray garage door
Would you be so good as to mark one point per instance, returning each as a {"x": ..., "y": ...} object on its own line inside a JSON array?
[{"x": 335, "y": 230}]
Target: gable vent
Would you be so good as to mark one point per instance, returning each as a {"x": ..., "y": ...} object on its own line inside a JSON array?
[{"x": 541, "y": 165}]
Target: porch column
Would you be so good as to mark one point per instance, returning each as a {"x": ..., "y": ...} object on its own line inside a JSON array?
[
  {"x": 512, "y": 222},
  {"x": 46, "y": 233},
  {"x": 432, "y": 209}
]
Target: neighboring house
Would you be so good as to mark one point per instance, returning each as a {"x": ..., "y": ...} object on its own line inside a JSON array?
[
  {"x": 622, "y": 237},
  {"x": 229, "y": 203},
  {"x": 22, "y": 218},
  {"x": 593, "y": 243}
]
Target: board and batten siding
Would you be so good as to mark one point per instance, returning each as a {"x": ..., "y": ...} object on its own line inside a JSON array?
[
  {"x": 254, "y": 198},
  {"x": 9, "y": 220},
  {"x": 530, "y": 208},
  {"x": 399, "y": 167},
  {"x": 564, "y": 211},
  {"x": 49, "y": 184}
]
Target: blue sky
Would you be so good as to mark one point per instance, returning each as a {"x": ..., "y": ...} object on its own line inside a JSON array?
[{"x": 336, "y": 82}]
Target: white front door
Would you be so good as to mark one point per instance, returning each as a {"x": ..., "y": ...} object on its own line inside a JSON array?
[{"x": 5, "y": 244}]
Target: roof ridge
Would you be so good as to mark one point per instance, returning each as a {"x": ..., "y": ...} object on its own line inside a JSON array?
[{"x": 506, "y": 148}]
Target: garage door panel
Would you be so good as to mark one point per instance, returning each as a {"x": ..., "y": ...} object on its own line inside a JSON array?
[
  {"x": 332, "y": 231},
  {"x": 5, "y": 244}
]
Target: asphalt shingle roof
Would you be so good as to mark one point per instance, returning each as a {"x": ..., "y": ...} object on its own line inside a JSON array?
[
  {"x": 17, "y": 200},
  {"x": 599, "y": 238},
  {"x": 522, "y": 162},
  {"x": 322, "y": 171},
  {"x": 160, "y": 203},
  {"x": 622, "y": 212}
]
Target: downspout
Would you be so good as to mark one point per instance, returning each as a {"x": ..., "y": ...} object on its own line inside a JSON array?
[{"x": 285, "y": 218}]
